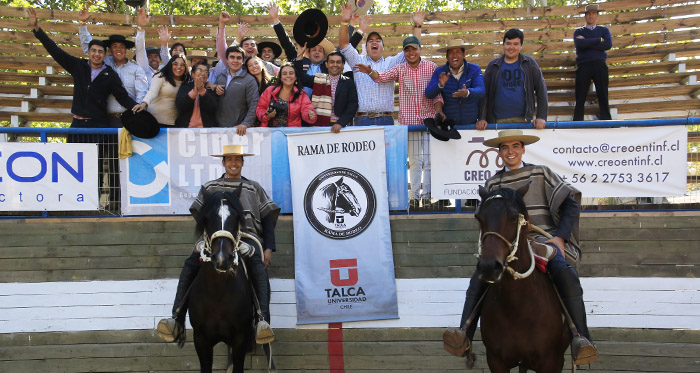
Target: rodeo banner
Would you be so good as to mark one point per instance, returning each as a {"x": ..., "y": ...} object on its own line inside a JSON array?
[
  {"x": 48, "y": 177},
  {"x": 342, "y": 242},
  {"x": 600, "y": 162}
]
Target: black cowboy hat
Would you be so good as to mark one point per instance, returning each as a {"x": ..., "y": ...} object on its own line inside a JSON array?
[
  {"x": 142, "y": 124},
  {"x": 276, "y": 49},
  {"x": 310, "y": 27},
  {"x": 441, "y": 128},
  {"x": 118, "y": 39}
]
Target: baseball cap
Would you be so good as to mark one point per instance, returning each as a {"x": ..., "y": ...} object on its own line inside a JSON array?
[{"x": 411, "y": 41}]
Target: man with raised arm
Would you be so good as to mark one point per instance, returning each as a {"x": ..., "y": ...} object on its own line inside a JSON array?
[
  {"x": 93, "y": 82},
  {"x": 376, "y": 100},
  {"x": 553, "y": 205},
  {"x": 414, "y": 107},
  {"x": 514, "y": 84},
  {"x": 591, "y": 42},
  {"x": 151, "y": 58}
]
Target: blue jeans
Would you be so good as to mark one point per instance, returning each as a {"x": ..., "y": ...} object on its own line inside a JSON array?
[{"x": 386, "y": 120}]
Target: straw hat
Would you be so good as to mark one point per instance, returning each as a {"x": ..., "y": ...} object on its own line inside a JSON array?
[
  {"x": 199, "y": 54},
  {"x": 232, "y": 150},
  {"x": 511, "y": 135},
  {"x": 455, "y": 43},
  {"x": 592, "y": 8}
]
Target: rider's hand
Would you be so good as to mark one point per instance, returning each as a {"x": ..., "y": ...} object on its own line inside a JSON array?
[{"x": 267, "y": 257}]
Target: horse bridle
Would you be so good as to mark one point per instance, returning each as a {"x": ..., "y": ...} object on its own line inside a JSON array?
[
  {"x": 512, "y": 246},
  {"x": 206, "y": 252}
]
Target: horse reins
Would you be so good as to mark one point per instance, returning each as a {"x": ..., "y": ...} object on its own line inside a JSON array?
[{"x": 512, "y": 246}]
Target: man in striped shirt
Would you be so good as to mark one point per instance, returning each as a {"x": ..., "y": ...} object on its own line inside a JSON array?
[
  {"x": 376, "y": 100},
  {"x": 413, "y": 77}
]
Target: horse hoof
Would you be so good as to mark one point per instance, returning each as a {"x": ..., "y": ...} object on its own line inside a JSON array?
[{"x": 168, "y": 330}]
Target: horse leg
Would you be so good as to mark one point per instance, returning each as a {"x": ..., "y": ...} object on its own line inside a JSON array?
[
  {"x": 237, "y": 350},
  {"x": 205, "y": 352}
]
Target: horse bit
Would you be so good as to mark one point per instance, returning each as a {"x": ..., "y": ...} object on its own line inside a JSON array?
[{"x": 513, "y": 246}]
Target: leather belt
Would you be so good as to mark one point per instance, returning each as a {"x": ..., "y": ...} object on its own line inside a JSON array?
[
  {"x": 79, "y": 117},
  {"x": 115, "y": 115},
  {"x": 375, "y": 114}
]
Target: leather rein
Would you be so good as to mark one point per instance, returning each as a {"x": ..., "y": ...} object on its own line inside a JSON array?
[{"x": 512, "y": 246}]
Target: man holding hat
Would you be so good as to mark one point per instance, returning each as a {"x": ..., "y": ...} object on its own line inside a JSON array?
[
  {"x": 514, "y": 84},
  {"x": 591, "y": 42},
  {"x": 414, "y": 107},
  {"x": 552, "y": 204},
  {"x": 93, "y": 82},
  {"x": 261, "y": 214},
  {"x": 132, "y": 76},
  {"x": 376, "y": 100},
  {"x": 460, "y": 84}
]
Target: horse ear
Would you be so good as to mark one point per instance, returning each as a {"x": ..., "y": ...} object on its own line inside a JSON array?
[
  {"x": 523, "y": 189},
  {"x": 339, "y": 182},
  {"x": 483, "y": 192}
]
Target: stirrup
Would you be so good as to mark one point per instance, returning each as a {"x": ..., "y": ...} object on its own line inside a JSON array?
[
  {"x": 264, "y": 333},
  {"x": 583, "y": 351},
  {"x": 169, "y": 330}
]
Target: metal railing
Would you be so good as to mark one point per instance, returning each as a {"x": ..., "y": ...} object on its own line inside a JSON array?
[{"x": 417, "y": 151}]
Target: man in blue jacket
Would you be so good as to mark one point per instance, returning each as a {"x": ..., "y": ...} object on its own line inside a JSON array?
[
  {"x": 514, "y": 84},
  {"x": 460, "y": 83},
  {"x": 591, "y": 42}
]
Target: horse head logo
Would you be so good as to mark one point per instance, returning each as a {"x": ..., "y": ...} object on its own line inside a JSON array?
[{"x": 340, "y": 199}]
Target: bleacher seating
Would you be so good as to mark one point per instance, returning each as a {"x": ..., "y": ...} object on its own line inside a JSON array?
[{"x": 653, "y": 65}]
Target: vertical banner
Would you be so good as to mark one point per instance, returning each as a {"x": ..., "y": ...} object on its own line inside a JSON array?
[
  {"x": 48, "y": 177},
  {"x": 344, "y": 268},
  {"x": 600, "y": 162},
  {"x": 164, "y": 174}
]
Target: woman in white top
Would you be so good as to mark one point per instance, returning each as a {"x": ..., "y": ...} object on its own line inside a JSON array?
[{"x": 160, "y": 99}]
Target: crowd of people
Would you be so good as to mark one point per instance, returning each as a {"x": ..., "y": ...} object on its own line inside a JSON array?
[{"x": 321, "y": 85}]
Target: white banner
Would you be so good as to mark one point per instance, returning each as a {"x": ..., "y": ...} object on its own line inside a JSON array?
[
  {"x": 48, "y": 177},
  {"x": 600, "y": 162},
  {"x": 342, "y": 241},
  {"x": 164, "y": 174}
]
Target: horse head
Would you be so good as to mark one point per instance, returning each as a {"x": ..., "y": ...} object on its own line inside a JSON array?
[
  {"x": 341, "y": 199},
  {"x": 219, "y": 221},
  {"x": 502, "y": 216}
]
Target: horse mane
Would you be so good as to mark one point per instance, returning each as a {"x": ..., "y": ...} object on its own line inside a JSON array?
[
  {"x": 510, "y": 195},
  {"x": 211, "y": 202},
  {"x": 329, "y": 190}
]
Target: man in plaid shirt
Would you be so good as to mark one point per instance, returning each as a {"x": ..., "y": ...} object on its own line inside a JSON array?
[
  {"x": 376, "y": 100},
  {"x": 413, "y": 77}
]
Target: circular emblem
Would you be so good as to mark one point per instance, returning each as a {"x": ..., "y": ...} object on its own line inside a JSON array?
[{"x": 340, "y": 203}]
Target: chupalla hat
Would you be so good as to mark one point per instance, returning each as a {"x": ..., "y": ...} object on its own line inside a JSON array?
[
  {"x": 142, "y": 124},
  {"x": 592, "y": 8},
  {"x": 455, "y": 43},
  {"x": 128, "y": 44},
  {"x": 511, "y": 135},
  {"x": 232, "y": 150},
  {"x": 310, "y": 27}
]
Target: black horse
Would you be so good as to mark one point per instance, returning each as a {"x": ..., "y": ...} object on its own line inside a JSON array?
[
  {"x": 221, "y": 301},
  {"x": 340, "y": 199},
  {"x": 521, "y": 322}
]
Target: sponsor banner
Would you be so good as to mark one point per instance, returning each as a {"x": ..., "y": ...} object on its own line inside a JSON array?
[
  {"x": 600, "y": 162},
  {"x": 48, "y": 177},
  {"x": 164, "y": 174},
  {"x": 344, "y": 269}
]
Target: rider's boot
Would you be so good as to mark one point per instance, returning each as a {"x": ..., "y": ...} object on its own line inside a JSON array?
[
  {"x": 261, "y": 283},
  {"x": 173, "y": 329},
  {"x": 583, "y": 351},
  {"x": 476, "y": 289}
]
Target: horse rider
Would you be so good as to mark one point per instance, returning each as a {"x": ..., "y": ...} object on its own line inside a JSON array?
[
  {"x": 261, "y": 214},
  {"x": 552, "y": 206}
]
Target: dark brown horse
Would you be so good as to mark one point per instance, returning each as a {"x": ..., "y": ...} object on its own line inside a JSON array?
[
  {"x": 221, "y": 304},
  {"x": 521, "y": 318}
]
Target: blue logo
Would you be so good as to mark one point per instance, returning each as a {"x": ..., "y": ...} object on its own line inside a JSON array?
[{"x": 149, "y": 172}]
